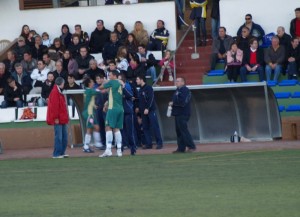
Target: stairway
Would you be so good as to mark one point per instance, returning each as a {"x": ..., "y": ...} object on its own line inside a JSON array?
[{"x": 192, "y": 69}]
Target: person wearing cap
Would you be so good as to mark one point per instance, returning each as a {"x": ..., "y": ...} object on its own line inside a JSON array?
[
  {"x": 57, "y": 115},
  {"x": 21, "y": 48},
  {"x": 99, "y": 37}
]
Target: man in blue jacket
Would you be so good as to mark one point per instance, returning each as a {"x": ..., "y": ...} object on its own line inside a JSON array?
[
  {"x": 149, "y": 117},
  {"x": 181, "y": 109}
]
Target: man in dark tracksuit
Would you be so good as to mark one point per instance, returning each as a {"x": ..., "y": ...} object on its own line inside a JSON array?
[
  {"x": 100, "y": 100},
  {"x": 181, "y": 109},
  {"x": 147, "y": 110},
  {"x": 129, "y": 134}
]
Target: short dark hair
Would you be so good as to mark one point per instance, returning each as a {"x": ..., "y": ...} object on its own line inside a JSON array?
[
  {"x": 248, "y": 15},
  {"x": 115, "y": 73},
  {"x": 78, "y": 25},
  {"x": 87, "y": 81},
  {"x": 222, "y": 27},
  {"x": 142, "y": 45},
  {"x": 99, "y": 75},
  {"x": 297, "y": 9},
  {"x": 252, "y": 40},
  {"x": 162, "y": 22},
  {"x": 50, "y": 73},
  {"x": 10, "y": 79},
  {"x": 141, "y": 77},
  {"x": 18, "y": 65},
  {"x": 71, "y": 76},
  {"x": 27, "y": 52}
]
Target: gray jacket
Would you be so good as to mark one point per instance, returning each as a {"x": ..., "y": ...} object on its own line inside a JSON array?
[{"x": 216, "y": 44}]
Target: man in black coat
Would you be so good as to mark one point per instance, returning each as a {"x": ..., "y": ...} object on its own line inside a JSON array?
[
  {"x": 99, "y": 37},
  {"x": 12, "y": 94}
]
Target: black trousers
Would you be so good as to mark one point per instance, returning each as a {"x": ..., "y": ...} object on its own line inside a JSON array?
[{"x": 184, "y": 138}]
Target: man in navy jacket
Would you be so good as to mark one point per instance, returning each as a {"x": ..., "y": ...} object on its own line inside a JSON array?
[
  {"x": 181, "y": 109},
  {"x": 147, "y": 109}
]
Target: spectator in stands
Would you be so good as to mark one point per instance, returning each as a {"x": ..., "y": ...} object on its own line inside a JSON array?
[
  {"x": 39, "y": 75},
  {"x": 46, "y": 40},
  {"x": 243, "y": 39},
  {"x": 21, "y": 48},
  {"x": 284, "y": 39},
  {"x": 198, "y": 14},
  {"x": 147, "y": 109},
  {"x": 75, "y": 45},
  {"x": 293, "y": 58},
  {"x": 94, "y": 70},
  {"x": 60, "y": 72},
  {"x": 140, "y": 33},
  {"x": 112, "y": 66},
  {"x": 57, "y": 115},
  {"x": 71, "y": 84},
  {"x": 234, "y": 62},
  {"x": 22, "y": 78},
  {"x": 56, "y": 50},
  {"x": 83, "y": 36},
  {"x": 122, "y": 33},
  {"x": 31, "y": 38},
  {"x": 50, "y": 64},
  {"x": 100, "y": 36},
  {"x": 3, "y": 78},
  {"x": 28, "y": 63},
  {"x": 131, "y": 44},
  {"x": 135, "y": 68},
  {"x": 274, "y": 59},
  {"x": 253, "y": 61},
  {"x": 295, "y": 24},
  {"x": 66, "y": 36},
  {"x": 25, "y": 32},
  {"x": 109, "y": 2},
  {"x": 38, "y": 50},
  {"x": 69, "y": 63},
  {"x": 12, "y": 94},
  {"x": 166, "y": 64},
  {"x": 111, "y": 48},
  {"x": 10, "y": 61},
  {"x": 220, "y": 45},
  {"x": 159, "y": 37},
  {"x": 215, "y": 18},
  {"x": 83, "y": 61},
  {"x": 255, "y": 29},
  {"x": 122, "y": 62},
  {"x": 148, "y": 61},
  {"x": 46, "y": 90}
]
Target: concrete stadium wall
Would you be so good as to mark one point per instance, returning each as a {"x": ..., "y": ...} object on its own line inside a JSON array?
[
  {"x": 51, "y": 20},
  {"x": 268, "y": 13}
]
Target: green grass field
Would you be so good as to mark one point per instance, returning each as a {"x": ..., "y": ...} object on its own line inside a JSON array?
[{"x": 241, "y": 184}]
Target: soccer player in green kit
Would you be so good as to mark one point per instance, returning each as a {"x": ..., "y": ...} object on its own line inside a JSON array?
[
  {"x": 115, "y": 113},
  {"x": 90, "y": 117}
]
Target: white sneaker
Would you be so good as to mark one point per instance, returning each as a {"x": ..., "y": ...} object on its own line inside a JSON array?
[
  {"x": 60, "y": 156},
  {"x": 161, "y": 78},
  {"x": 107, "y": 153},
  {"x": 171, "y": 78},
  {"x": 119, "y": 152}
]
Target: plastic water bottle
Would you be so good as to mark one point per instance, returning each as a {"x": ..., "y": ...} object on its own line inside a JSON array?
[
  {"x": 235, "y": 137},
  {"x": 169, "y": 111}
]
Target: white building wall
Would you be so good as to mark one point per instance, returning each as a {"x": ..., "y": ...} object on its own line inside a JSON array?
[
  {"x": 268, "y": 13},
  {"x": 51, "y": 20}
]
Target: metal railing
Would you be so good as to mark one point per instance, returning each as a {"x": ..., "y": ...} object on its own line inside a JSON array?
[{"x": 194, "y": 55}]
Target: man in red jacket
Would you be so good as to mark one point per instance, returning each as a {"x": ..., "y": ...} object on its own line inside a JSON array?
[{"x": 57, "y": 115}]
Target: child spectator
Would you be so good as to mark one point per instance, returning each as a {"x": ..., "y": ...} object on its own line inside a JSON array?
[
  {"x": 168, "y": 65},
  {"x": 234, "y": 62},
  {"x": 46, "y": 40}
]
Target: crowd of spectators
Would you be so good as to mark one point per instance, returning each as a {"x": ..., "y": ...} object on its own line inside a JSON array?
[
  {"x": 251, "y": 50},
  {"x": 36, "y": 58}
]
